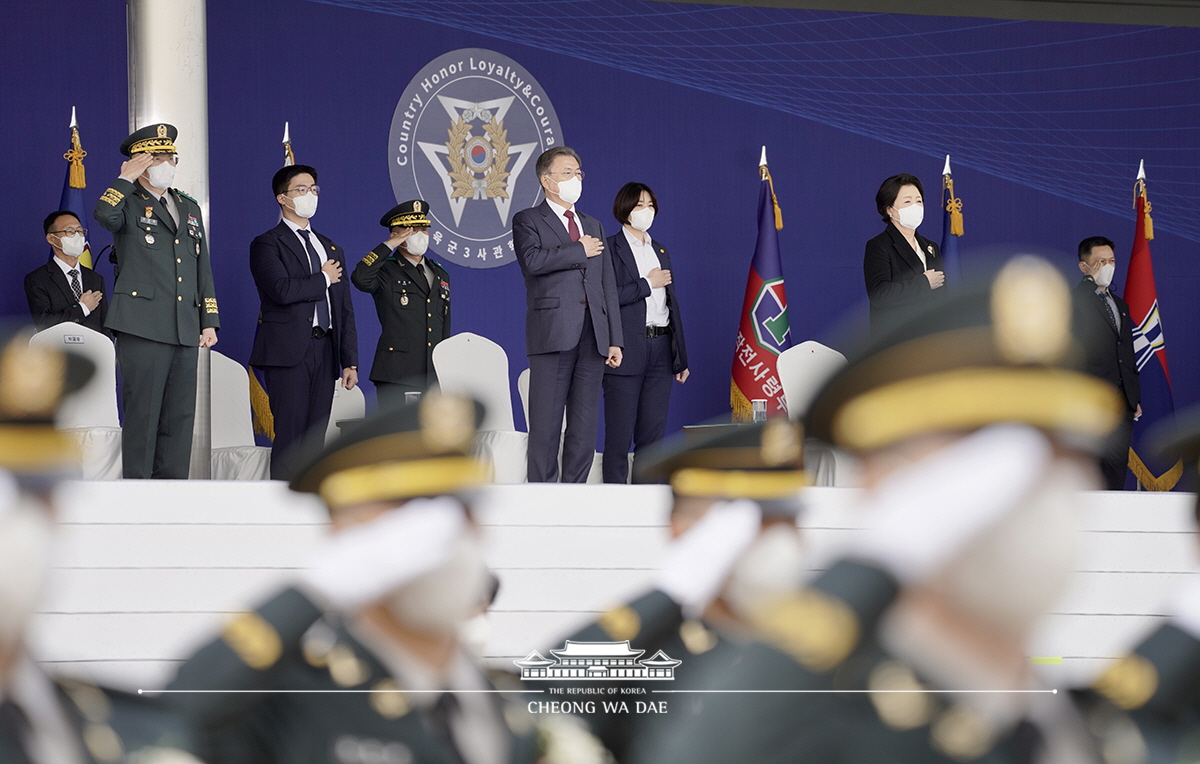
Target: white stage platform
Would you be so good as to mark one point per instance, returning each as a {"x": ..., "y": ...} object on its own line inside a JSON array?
[{"x": 148, "y": 570}]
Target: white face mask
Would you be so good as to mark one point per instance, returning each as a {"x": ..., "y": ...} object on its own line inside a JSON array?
[
  {"x": 417, "y": 244},
  {"x": 769, "y": 568},
  {"x": 26, "y": 536},
  {"x": 911, "y": 216},
  {"x": 305, "y": 205},
  {"x": 161, "y": 175},
  {"x": 642, "y": 219},
  {"x": 570, "y": 190},
  {"x": 441, "y": 600},
  {"x": 1104, "y": 276},
  {"x": 72, "y": 246}
]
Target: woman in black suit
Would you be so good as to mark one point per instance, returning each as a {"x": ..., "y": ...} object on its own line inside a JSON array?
[
  {"x": 903, "y": 269},
  {"x": 637, "y": 392}
]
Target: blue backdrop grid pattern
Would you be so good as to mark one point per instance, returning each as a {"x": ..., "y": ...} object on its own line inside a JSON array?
[{"x": 1062, "y": 107}]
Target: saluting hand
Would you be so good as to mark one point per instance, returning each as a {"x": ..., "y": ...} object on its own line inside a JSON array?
[
  {"x": 332, "y": 269},
  {"x": 132, "y": 168},
  {"x": 591, "y": 245},
  {"x": 399, "y": 237}
]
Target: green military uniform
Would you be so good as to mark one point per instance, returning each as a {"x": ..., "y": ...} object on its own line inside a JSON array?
[
  {"x": 162, "y": 299},
  {"x": 41, "y": 716},
  {"x": 413, "y": 311},
  {"x": 347, "y": 693}
]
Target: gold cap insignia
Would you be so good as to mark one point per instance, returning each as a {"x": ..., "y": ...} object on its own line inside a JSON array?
[
  {"x": 780, "y": 443},
  {"x": 162, "y": 131},
  {"x": 1031, "y": 312},
  {"x": 254, "y": 640},
  {"x": 31, "y": 380},
  {"x": 447, "y": 421},
  {"x": 622, "y": 623},
  {"x": 1130, "y": 683},
  {"x": 898, "y": 696},
  {"x": 388, "y": 700},
  {"x": 416, "y": 206},
  {"x": 696, "y": 638},
  {"x": 344, "y": 666}
]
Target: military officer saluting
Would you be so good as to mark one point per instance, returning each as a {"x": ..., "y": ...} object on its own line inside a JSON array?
[
  {"x": 412, "y": 299},
  {"x": 43, "y": 719},
  {"x": 377, "y": 612},
  {"x": 163, "y": 304}
]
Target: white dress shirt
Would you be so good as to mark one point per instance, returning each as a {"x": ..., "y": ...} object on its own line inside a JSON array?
[
  {"x": 66, "y": 269},
  {"x": 561, "y": 212},
  {"x": 320, "y": 248},
  {"x": 646, "y": 259}
]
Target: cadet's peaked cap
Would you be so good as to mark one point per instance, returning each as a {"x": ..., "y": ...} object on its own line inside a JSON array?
[
  {"x": 761, "y": 461},
  {"x": 152, "y": 139},
  {"x": 996, "y": 352},
  {"x": 412, "y": 214},
  {"x": 34, "y": 380},
  {"x": 415, "y": 450}
]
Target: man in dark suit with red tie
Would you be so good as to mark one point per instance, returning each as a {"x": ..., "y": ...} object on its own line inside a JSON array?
[
  {"x": 64, "y": 290},
  {"x": 572, "y": 320},
  {"x": 305, "y": 338},
  {"x": 1104, "y": 329}
]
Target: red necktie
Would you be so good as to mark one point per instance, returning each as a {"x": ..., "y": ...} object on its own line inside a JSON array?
[{"x": 572, "y": 229}]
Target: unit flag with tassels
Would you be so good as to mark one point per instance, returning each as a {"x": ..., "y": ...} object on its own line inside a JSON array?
[
  {"x": 73, "y": 185},
  {"x": 952, "y": 228}
]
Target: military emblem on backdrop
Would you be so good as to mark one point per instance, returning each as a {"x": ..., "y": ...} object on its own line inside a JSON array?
[{"x": 465, "y": 136}]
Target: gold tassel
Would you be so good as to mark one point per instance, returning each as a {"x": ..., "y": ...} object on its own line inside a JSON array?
[
  {"x": 742, "y": 410},
  {"x": 290, "y": 158},
  {"x": 1149, "y": 482},
  {"x": 1139, "y": 189},
  {"x": 260, "y": 406},
  {"x": 954, "y": 207},
  {"x": 1149, "y": 228},
  {"x": 765, "y": 174},
  {"x": 75, "y": 156}
]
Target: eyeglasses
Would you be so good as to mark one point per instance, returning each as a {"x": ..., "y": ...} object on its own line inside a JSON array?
[
  {"x": 161, "y": 158},
  {"x": 302, "y": 190},
  {"x": 70, "y": 232},
  {"x": 566, "y": 174}
]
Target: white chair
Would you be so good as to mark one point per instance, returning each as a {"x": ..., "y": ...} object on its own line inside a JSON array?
[
  {"x": 347, "y": 404},
  {"x": 90, "y": 413},
  {"x": 803, "y": 369},
  {"x": 468, "y": 364},
  {"x": 234, "y": 454},
  {"x": 596, "y": 473}
]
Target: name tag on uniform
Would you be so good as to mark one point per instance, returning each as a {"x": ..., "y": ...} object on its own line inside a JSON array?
[{"x": 147, "y": 220}]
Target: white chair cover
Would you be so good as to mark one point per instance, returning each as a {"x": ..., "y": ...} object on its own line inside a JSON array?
[
  {"x": 347, "y": 404},
  {"x": 234, "y": 455},
  {"x": 803, "y": 369},
  {"x": 90, "y": 413},
  {"x": 468, "y": 364}
]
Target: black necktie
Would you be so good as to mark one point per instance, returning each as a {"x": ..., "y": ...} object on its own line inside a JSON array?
[
  {"x": 1108, "y": 311},
  {"x": 314, "y": 262},
  {"x": 14, "y": 726},
  {"x": 76, "y": 287},
  {"x": 167, "y": 207},
  {"x": 439, "y": 725}
]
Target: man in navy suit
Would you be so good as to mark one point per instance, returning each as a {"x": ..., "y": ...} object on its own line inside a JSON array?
[
  {"x": 64, "y": 290},
  {"x": 305, "y": 338},
  {"x": 572, "y": 320}
]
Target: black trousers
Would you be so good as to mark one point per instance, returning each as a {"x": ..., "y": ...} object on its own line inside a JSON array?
[
  {"x": 159, "y": 396},
  {"x": 1114, "y": 462},
  {"x": 635, "y": 408},
  {"x": 568, "y": 381},
  {"x": 301, "y": 398}
]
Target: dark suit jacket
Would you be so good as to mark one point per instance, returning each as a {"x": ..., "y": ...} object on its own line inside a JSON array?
[
  {"x": 51, "y": 300},
  {"x": 560, "y": 279},
  {"x": 1109, "y": 355},
  {"x": 632, "y": 291},
  {"x": 414, "y": 318},
  {"x": 289, "y": 291},
  {"x": 895, "y": 279}
]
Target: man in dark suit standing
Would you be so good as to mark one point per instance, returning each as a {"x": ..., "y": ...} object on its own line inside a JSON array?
[
  {"x": 572, "y": 319},
  {"x": 305, "y": 338},
  {"x": 1104, "y": 329},
  {"x": 62, "y": 289},
  {"x": 412, "y": 300}
]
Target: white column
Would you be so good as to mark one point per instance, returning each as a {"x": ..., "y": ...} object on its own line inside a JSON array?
[{"x": 168, "y": 82}]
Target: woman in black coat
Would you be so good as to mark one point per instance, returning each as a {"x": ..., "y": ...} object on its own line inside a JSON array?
[
  {"x": 902, "y": 269},
  {"x": 637, "y": 392}
]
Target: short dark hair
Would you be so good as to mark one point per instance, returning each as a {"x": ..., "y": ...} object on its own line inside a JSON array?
[
  {"x": 886, "y": 195},
  {"x": 549, "y": 155},
  {"x": 49, "y": 221},
  {"x": 628, "y": 198},
  {"x": 280, "y": 182},
  {"x": 1087, "y": 245}
]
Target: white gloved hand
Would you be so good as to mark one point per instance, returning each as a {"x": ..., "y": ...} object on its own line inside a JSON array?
[
  {"x": 363, "y": 563},
  {"x": 921, "y": 516},
  {"x": 697, "y": 563},
  {"x": 1184, "y": 607}
]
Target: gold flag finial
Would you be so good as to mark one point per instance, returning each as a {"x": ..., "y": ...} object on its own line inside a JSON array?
[
  {"x": 75, "y": 156},
  {"x": 1139, "y": 189}
]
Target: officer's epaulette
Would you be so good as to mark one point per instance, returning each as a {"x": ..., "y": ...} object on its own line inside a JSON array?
[{"x": 187, "y": 196}]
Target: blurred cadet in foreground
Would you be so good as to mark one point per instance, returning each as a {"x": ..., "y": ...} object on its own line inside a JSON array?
[
  {"x": 43, "y": 720},
  {"x": 734, "y": 543},
  {"x": 975, "y": 439},
  {"x": 379, "y": 611}
]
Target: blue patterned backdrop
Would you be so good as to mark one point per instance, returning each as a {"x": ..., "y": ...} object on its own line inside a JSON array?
[{"x": 1046, "y": 123}]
